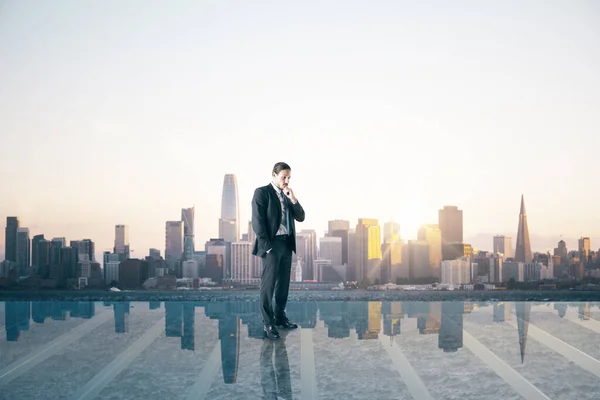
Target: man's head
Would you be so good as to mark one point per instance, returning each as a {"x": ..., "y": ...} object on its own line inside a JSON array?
[{"x": 281, "y": 174}]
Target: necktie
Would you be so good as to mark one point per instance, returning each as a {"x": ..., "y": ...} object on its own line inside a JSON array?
[{"x": 286, "y": 203}]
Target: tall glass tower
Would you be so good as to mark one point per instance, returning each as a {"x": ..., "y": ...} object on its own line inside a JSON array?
[
  {"x": 187, "y": 217},
  {"x": 229, "y": 223}
]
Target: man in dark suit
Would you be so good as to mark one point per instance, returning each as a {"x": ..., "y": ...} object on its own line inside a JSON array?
[{"x": 274, "y": 212}]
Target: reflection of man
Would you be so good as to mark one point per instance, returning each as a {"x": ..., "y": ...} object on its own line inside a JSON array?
[
  {"x": 275, "y": 373},
  {"x": 274, "y": 212}
]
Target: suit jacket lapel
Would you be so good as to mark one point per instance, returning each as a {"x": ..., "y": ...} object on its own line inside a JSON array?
[{"x": 275, "y": 198}]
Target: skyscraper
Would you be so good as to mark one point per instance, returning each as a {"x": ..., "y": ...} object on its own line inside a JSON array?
[
  {"x": 229, "y": 228},
  {"x": 122, "y": 241},
  {"x": 306, "y": 249},
  {"x": 340, "y": 228},
  {"x": 523, "y": 250},
  {"x": 23, "y": 251},
  {"x": 187, "y": 217},
  {"x": 450, "y": 220},
  {"x": 35, "y": 262},
  {"x": 431, "y": 233},
  {"x": 584, "y": 248},
  {"x": 503, "y": 245},
  {"x": 368, "y": 249},
  {"x": 391, "y": 231},
  {"x": 330, "y": 248},
  {"x": 173, "y": 242},
  {"x": 10, "y": 240}
]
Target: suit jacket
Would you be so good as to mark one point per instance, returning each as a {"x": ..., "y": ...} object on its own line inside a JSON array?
[{"x": 266, "y": 218}]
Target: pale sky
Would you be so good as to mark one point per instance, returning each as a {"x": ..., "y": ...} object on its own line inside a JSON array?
[{"x": 124, "y": 112}]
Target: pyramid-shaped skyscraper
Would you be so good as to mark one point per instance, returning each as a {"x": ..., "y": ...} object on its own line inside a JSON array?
[{"x": 523, "y": 250}]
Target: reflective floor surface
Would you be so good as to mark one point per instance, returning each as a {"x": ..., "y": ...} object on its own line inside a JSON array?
[{"x": 343, "y": 350}]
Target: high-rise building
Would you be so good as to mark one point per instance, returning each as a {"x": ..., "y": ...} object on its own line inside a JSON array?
[
  {"x": 256, "y": 261},
  {"x": 187, "y": 217},
  {"x": 391, "y": 231},
  {"x": 56, "y": 244},
  {"x": 456, "y": 272},
  {"x": 41, "y": 253},
  {"x": 217, "y": 259},
  {"x": 229, "y": 229},
  {"x": 173, "y": 243},
  {"x": 241, "y": 262},
  {"x": 338, "y": 225},
  {"x": 431, "y": 234},
  {"x": 523, "y": 249},
  {"x": 584, "y": 249},
  {"x": 418, "y": 259},
  {"x": 391, "y": 253},
  {"x": 122, "y": 241},
  {"x": 34, "y": 252},
  {"x": 503, "y": 245},
  {"x": 330, "y": 248},
  {"x": 450, "y": 220},
  {"x": 87, "y": 246},
  {"x": 562, "y": 251},
  {"x": 368, "y": 249},
  {"x": 23, "y": 251},
  {"x": 307, "y": 238},
  {"x": 155, "y": 254},
  {"x": 10, "y": 240},
  {"x": 340, "y": 228},
  {"x": 351, "y": 270}
]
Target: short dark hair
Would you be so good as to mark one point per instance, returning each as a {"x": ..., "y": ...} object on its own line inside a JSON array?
[{"x": 280, "y": 166}]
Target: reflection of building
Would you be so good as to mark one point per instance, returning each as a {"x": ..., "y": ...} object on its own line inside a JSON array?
[
  {"x": 431, "y": 324},
  {"x": 392, "y": 317},
  {"x": 522, "y": 309},
  {"x": 450, "y": 338},
  {"x": 229, "y": 334},
  {"x": 502, "y": 312},
  {"x": 18, "y": 314}
]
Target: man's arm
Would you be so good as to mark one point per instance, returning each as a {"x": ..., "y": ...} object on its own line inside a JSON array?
[
  {"x": 259, "y": 216},
  {"x": 298, "y": 211}
]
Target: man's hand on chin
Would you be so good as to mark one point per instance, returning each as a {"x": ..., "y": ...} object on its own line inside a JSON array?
[{"x": 289, "y": 193}]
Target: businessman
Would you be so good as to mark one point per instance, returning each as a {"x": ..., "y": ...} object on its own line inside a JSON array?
[{"x": 275, "y": 209}]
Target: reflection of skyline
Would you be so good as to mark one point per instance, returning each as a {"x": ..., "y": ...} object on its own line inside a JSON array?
[{"x": 367, "y": 319}]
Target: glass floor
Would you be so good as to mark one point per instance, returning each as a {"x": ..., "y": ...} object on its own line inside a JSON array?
[{"x": 342, "y": 350}]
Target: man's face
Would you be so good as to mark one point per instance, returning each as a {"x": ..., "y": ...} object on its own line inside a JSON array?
[{"x": 282, "y": 179}]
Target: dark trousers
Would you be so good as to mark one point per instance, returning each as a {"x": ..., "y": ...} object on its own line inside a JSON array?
[{"x": 275, "y": 280}]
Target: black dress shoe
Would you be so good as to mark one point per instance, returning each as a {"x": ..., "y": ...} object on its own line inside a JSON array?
[
  {"x": 271, "y": 332},
  {"x": 287, "y": 325}
]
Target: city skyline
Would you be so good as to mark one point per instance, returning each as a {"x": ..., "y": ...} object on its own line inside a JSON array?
[
  {"x": 486, "y": 240},
  {"x": 391, "y": 110}
]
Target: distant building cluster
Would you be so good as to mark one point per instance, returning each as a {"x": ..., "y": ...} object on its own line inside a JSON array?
[{"x": 363, "y": 255}]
